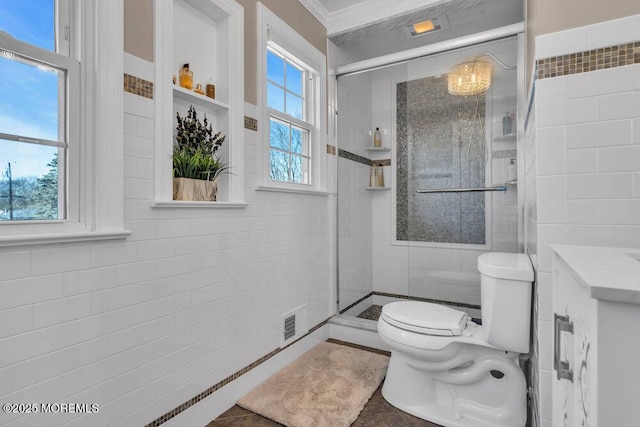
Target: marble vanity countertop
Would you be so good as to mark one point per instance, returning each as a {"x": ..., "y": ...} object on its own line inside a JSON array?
[{"x": 611, "y": 274}]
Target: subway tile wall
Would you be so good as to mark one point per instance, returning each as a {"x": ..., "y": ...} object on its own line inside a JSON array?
[
  {"x": 584, "y": 174},
  {"x": 141, "y": 326}
]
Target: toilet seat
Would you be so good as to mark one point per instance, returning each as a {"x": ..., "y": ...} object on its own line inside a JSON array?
[{"x": 425, "y": 318}]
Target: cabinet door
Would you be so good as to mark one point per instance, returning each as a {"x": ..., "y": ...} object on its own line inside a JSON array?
[{"x": 563, "y": 347}]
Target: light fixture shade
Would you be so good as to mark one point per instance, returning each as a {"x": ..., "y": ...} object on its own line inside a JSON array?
[{"x": 470, "y": 78}]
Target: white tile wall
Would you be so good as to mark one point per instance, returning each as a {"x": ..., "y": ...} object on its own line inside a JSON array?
[
  {"x": 142, "y": 325},
  {"x": 589, "y": 122}
]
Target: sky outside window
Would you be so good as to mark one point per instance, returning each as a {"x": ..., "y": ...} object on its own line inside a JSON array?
[{"x": 30, "y": 93}]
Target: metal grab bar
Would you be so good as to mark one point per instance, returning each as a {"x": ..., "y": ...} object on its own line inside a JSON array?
[{"x": 465, "y": 190}]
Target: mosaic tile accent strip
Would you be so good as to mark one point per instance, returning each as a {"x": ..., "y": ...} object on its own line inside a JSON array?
[
  {"x": 353, "y": 157},
  {"x": 436, "y": 151},
  {"x": 412, "y": 298},
  {"x": 186, "y": 405},
  {"x": 590, "y": 60},
  {"x": 331, "y": 149},
  {"x": 356, "y": 303},
  {"x": 250, "y": 123},
  {"x": 138, "y": 86},
  {"x": 435, "y": 301}
]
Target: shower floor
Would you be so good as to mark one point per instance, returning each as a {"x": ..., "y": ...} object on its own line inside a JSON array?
[{"x": 371, "y": 313}]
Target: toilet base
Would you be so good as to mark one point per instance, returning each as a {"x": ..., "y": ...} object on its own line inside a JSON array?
[{"x": 468, "y": 396}]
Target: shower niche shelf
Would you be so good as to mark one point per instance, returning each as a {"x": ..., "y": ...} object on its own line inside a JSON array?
[
  {"x": 505, "y": 138},
  {"x": 378, "y": 188},
  {"x": 379, "y": 149}
]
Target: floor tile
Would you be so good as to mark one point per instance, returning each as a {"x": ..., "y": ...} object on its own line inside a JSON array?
[{"x": 376, "y": 413}]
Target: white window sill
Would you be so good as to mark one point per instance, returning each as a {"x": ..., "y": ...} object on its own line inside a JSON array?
[
  {"x": 292, "y": 190},
  {"x": 45, "y": 239},
  {"x": 205, "y": 205}
]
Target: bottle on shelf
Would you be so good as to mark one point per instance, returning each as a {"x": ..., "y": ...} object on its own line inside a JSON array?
[
  {"x": 186, "y": 77},
  {"x": 512, "y": 171},
  {"x": 373, "y": 177},
  {"x": 377, "y": 138},
  {"x": 199, "y": 89},
  {"x": 380, "y": 180},
  {"x": 506, "y": 124},
  {"x": 211, "y": 89}
]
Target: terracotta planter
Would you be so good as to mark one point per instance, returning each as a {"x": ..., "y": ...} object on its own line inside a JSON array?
[{"x": 197, "y": 190}]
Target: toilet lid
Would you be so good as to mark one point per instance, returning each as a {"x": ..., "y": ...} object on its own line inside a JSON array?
[{"x": 425, "y": 318}]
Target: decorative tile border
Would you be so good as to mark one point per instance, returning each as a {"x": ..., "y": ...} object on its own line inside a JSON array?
[
  {"x": 435, "y": 301},
  {"x": 250, "y": 123},
  {"x": 138, "y": 86},
  {"x": 591, "y": 60},
  {"x": 353, "y": 157},
  {"x": 186, "y": 405},
  {"x": 408, "y": 297},
  {"x": 344, "y": 310}
]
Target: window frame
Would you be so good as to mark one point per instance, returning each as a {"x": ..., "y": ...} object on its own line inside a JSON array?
[
  {"x": 274, "y": 34},
  {"x": 94, "y": 121}
]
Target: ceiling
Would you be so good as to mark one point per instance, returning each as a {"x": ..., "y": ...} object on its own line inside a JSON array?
[{"x": 365, "y": 29}]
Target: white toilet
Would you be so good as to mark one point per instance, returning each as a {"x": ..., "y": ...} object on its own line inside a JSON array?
[{"x": 446, "y": 369}]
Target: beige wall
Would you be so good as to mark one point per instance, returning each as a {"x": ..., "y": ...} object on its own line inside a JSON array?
[
  {"x": 138, "y": 28},
  {"x": 290, "y": 11},
  {"x": 550, "y": 16},
  {"x": 138, "y": 32}
]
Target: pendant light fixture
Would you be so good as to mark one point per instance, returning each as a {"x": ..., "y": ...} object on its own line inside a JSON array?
[{"x": 473, "y": 77}]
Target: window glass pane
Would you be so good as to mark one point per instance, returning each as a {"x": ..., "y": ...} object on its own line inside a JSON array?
[
  {"x": 275, "y": 68},
  {"x": 299, "y": 138},
  {"x": 275, "y": 97},
  {"x": 294, "y": 106},
  {"x": 299, "y": 169},
  {"x": 294, "y": 79},
  {"x": 29, "y": 103},
  {"x": 279, "y": 166},
  {"x": 29, "y": 181},
  {"x": 31, "y": 21},
  {"x": 279, "y": 135}
]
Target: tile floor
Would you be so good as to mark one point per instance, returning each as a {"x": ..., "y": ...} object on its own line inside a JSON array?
[
  {"x": 371, "y": 313},
  {"x": 376, "y": 413}
]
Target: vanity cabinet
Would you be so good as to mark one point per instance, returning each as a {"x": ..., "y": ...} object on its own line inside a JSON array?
[{"x": 596, "y": 377}]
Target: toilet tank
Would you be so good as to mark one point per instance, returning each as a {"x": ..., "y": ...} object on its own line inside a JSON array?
[{"x": 505, "y": 280}]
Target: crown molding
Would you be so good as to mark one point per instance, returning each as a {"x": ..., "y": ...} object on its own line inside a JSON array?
[{"x": 317, "y": 10}]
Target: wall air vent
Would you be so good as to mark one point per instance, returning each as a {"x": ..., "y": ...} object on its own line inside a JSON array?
[
  {"x": 295, "y": 323},
  {"x": 289, "y": 327}
]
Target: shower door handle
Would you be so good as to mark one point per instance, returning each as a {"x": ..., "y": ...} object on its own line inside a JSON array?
[{"x": 563, "y": 368}]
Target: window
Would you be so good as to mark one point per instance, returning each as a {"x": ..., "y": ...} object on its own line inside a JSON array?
[
  {"x": 289, "y": 126},
  {"x": 34, "y": 131},
  {"x": 292, "y": 76},
  {"x": 60, "y": 121}
]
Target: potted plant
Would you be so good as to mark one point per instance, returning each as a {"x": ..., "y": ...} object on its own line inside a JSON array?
[{"x": 196, "y": 165}]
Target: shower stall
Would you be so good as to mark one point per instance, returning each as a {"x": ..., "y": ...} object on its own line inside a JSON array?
[{"x": 415, "y": 212}]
